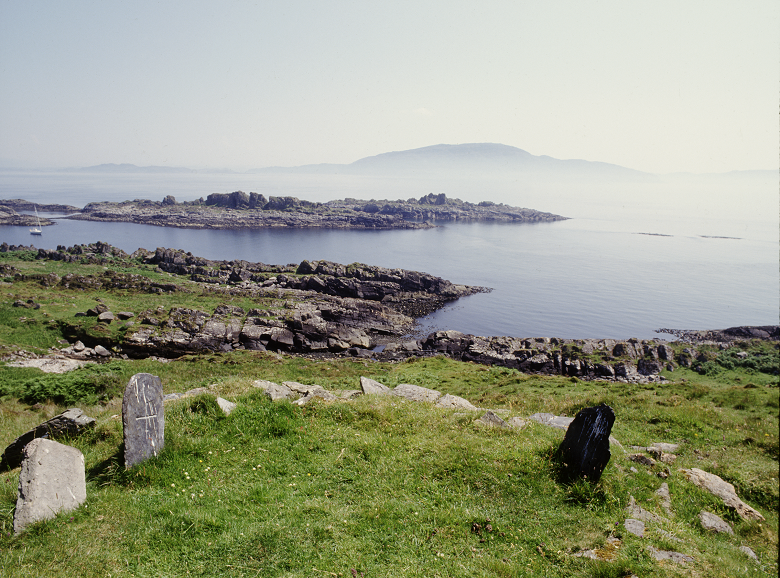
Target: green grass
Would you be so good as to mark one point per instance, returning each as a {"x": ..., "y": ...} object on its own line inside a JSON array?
[
  {"x": 376, "y": 485},
  {"x": 392, "y": 488}
]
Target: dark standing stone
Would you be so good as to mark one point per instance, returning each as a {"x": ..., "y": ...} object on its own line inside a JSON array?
[
  {"x": 68, "y": 424},
  {"x": 585, "y": 449},
  {"x": 143, "y": 418}
]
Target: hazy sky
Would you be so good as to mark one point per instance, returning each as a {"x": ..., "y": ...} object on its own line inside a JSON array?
[{"x": 659, "y": 86}]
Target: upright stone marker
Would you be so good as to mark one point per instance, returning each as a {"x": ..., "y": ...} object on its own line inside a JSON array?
[
  {"x": 585, "y": 449},
  {"x": 51, "y": 480},
  {"x": 143, "y": 418}
]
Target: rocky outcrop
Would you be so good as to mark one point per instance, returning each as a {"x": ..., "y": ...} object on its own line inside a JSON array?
[
  {"x": 240, "y": 210},
  {"x": 9, "y": 216},
  {"x": 715, "y": 336}
]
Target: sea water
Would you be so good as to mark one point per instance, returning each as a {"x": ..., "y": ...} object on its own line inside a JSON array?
[{"x": 682, "y": 253}]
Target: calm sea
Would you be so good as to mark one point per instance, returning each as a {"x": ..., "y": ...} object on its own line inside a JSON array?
[{"x": 688, "y": 253}]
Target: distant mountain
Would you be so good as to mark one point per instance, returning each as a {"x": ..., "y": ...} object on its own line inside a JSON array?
[
  {"x": 128, "y": 168},
  {"x": 478, "y": 159}
]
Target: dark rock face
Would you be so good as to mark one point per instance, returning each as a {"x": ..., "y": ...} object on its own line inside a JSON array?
[
  {"x": 585, "y": 449},
  {"x": 143, "y": 418},
  {"x": 68, "y": 424}
]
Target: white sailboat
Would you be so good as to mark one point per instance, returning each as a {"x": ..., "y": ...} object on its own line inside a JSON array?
[{"x": 36, "y": 230}]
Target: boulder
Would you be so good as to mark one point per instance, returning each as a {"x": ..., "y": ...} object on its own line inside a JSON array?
[
  {"x": 70, "y": 423},
  {"x": 52, "y": 480},
  {"x": 585, "y": 448}
]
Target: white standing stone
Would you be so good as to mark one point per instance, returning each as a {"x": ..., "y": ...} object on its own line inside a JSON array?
[{"x": 52, "y": 480}]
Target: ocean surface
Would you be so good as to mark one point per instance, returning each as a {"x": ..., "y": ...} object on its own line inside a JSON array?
[{"x": 678, "y": 252}]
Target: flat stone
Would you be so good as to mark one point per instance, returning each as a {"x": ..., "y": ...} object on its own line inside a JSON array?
[
  {"x": 55, "y": 364},
  {"x": 349, "y": 393},
  {"x": 585, "y": 449},
  {"x": 320, "y": 394},
  {"x": 302, "y": 389},
  {"x": 124, "y": 315},
  {"x": 723, "y": 490},
  {"x": 713, "y": 523},
  {"x": 675, "y": 557},
  {"x": 106, "y": 317},
  {"x": 226, "y": 406},
  {"x": 492, "y": 419},
  {"x": 635, "y": 527},
  {"x": 416, "y": 393},
  {"x": 454, "y": 402},
  {"x": 70, "y": 423},
  {"x": 370, "y": 386},
  {"x": 52, "y": 480},
  {"x": 143, "y": 418}
]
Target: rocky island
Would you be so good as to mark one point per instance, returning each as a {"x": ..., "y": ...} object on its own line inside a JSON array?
[{"x": 239, "y": 210}]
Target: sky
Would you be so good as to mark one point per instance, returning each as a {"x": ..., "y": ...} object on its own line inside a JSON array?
[{"x": 662, "y": 87}]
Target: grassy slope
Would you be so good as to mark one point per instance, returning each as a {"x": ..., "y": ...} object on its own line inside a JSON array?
[{"x": 378, "y": 485}]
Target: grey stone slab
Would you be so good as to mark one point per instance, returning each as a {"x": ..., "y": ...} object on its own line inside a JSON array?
[
  {"x": 69, "y": 423},
  {"x": 52, "y": 480},
  {"x": 370, "y": 386},
  {"x": 143, "y": 418},
  {"x": 416, "y": 393},
  {"x": 713, "y": 523}
]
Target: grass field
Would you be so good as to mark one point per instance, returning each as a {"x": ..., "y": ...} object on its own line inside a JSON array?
[{"x": 378, "y": 486}]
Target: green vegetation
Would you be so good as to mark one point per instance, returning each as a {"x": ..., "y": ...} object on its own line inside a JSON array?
[{"x": 378, "y": 486}]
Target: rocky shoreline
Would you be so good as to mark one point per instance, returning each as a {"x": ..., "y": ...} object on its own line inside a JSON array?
[
  {"x": 239, "y": 210},
  {"x": 321, "y": 309}
]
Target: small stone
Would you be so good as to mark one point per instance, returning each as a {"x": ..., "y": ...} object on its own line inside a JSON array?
[
  {"x": 226, "y": 406},
  {"x": 517, "y": 422},
  {"x": 492, "y": 419},
  {"x": 102, "y": 351},
  {"x": 638, "y": 512},
  {"x": 106, "y": 317},
  {"x": 749, "y": 553},
  {"x": 714, "y": 523},
  {"x": 642, "y": 459},
  {"x": 665, "y": 497}
]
